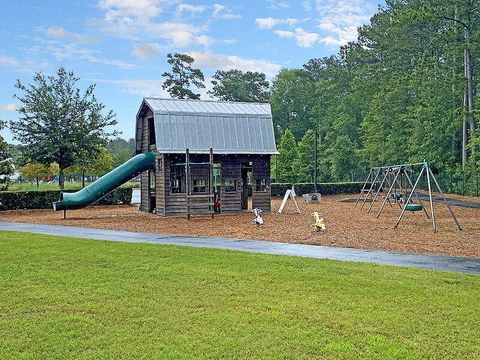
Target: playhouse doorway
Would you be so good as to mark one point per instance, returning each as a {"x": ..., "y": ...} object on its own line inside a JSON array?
[{"x": 246, "y": 170}]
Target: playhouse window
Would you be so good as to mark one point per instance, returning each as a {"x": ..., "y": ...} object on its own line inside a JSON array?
[
  {"x": 230, "y": 185},
  {"x": 152, "y": 180},
  {"x": 199, "y": 186},
  {"x": 176, "y": 185},
  {"x": 151, "y": 131},
  {"x": 261, "y": 185}
]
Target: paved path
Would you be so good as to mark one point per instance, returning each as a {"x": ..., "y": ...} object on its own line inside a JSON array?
[{"x": 435, "y": 262}]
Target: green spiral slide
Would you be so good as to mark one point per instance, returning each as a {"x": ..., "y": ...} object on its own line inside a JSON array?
[{"x": 107, "y": 183}]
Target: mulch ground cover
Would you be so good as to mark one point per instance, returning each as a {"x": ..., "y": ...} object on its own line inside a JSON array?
[{"x": 346, "y": 226}]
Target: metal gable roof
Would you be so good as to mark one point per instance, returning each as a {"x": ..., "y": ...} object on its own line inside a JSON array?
[
  {"x": 226, "y": 127},
  {"x": 210, "y": 107}
]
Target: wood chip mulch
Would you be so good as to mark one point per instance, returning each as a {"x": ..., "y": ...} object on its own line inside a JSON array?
[{"x": 346, "y": 226}]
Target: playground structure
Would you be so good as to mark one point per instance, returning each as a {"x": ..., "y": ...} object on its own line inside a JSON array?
[
  {"x": 395, "y": 184},
  {"x": 180, "y": 144}
]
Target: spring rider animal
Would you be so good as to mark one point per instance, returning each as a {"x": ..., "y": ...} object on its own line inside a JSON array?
[
  {"x": 319, "y": 224},
  {"x": 258, "y": 217}
]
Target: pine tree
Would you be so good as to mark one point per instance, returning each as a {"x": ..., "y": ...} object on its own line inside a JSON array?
[{"x": 183, "y": 76}]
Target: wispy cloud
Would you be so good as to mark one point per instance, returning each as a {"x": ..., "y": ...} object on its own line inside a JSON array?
[
  {"x": 303, "y": 38},
  {"x": 71, "y": 51},
  {"x": 8, "y": 60},
  {"x": 8, "y": 108},
  {"x": 59, "y": 32},
  {"x": 194, "y": 9},
  {"x": 146, "y": 50},
  {"x": 270, "y": 22},
  {"x": 275, "y": 4},
  {"x": 221, "y": 11},
  {"x": 142, "y": 87},
  {"x": 208, "y": 60}
]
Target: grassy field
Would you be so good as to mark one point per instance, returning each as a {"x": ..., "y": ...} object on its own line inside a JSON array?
[
  {"x": 66, "y": 298},
  {"x": 69, "y": 185}
]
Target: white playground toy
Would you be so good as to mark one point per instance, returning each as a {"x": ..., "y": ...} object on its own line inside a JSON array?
[{"x": 290, "y": 193}]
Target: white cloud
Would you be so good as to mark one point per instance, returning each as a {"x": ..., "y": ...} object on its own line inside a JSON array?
[
  {"x": 142, "y": 87},
  {"x": 62, "y": 33},
  {"x": 270, "y": 22},
  {"x": 226, "y": 62},
  {"x": 137, "y": 20},
  {"x": 307, "y": 5},
  {"x": 8, "y": 108},
  {"x": 8, "y": 60},
  {"x": 303, "y": 38},
  {"x": 339, "y": 19},
  {"x": 275, "y": 4},
  {"x": 190, "y": 8},
  {"x": 145, "y": 51},
  {"x": 221, "y": 11},
  {"x": 126, "y": 8}
]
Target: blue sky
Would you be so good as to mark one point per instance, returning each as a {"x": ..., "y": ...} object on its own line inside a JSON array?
[{"x": 121, "y": 45}]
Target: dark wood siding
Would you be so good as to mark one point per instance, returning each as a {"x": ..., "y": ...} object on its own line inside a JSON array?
[
  {"x": 261, "y": 170},
  {"x": 231, "y": 169}
]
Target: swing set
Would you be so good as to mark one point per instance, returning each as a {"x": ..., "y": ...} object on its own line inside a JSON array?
[{"x": 395, "y": 184}]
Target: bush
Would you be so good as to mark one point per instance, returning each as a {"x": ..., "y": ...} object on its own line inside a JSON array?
[
  {"x": 15, "y": 200},
  {"x": 279, "y": 189}
]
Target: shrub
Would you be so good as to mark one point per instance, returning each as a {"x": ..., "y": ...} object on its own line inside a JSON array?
[
  {"x": 279, "y": 189},
  {"x": 15, "y": 200}
]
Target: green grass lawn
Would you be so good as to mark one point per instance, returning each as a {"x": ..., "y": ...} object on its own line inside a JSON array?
[{"x": 66, "y": 298}]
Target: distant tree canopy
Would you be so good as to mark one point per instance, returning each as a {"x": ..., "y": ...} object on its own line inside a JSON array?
[
  {"x": 397, "y": 94},
  {"x": 60, "y": 123},
  {"x": 182, "y": 77},
  {"x": 236, "y": 85}
]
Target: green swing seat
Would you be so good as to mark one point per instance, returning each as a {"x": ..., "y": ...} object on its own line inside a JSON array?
[{"x": 414, "y": 207}]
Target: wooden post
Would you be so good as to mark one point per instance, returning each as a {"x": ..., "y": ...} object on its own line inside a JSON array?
[
  {"x": 187, "y": 180},
  {"x": 211, "y": 188},
  {"x": 64, "y": 214}
]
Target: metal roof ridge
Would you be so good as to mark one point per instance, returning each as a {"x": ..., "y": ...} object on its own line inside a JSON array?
[{"x": 212, "y": 101}]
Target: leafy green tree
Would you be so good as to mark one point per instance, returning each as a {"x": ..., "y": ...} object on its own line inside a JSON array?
[
  {"x": 287, "y": 158},
  {"x": 292, "y": 100},
  {"x": 33, "y": 171},
  {"x": 121, "y": 150},
  {"x": 59, "y": 123},
  {"x": 236, "y": 85},
  {"x": 101, "y": 164},
  {"x": 183, "y": 76},
  {"x": 6, "y": 167}
]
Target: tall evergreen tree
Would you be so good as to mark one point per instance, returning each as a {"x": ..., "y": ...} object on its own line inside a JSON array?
[
  {"x": 287, "y": 158},
  {"x": 183, "y": 76}
]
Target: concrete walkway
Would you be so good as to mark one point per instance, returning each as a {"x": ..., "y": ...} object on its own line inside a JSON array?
[{"x": 434, "y": 262}]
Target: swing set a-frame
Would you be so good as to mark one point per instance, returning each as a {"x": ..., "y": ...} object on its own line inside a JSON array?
[{"x": 396, "y": 185}]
